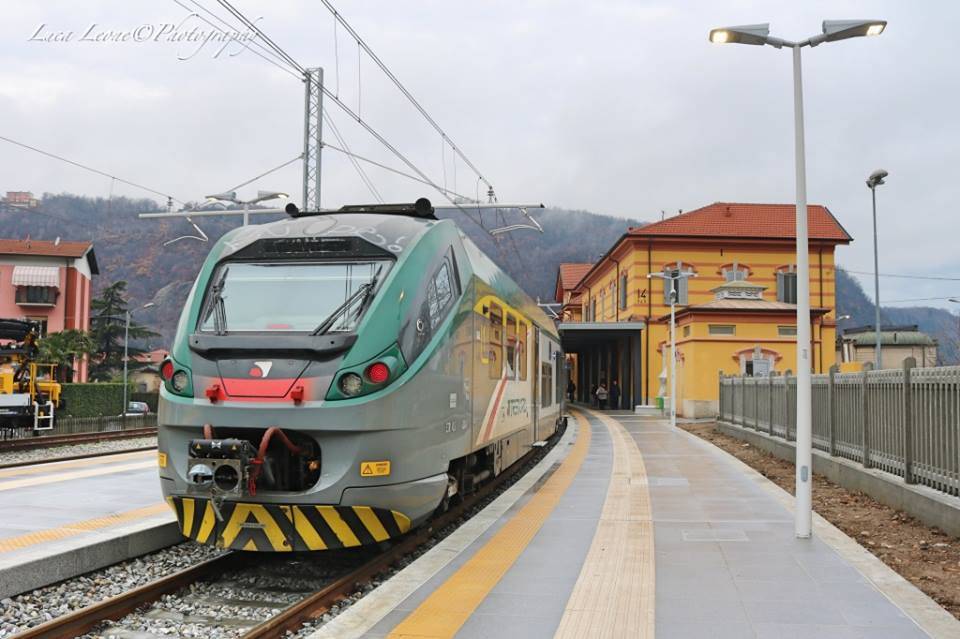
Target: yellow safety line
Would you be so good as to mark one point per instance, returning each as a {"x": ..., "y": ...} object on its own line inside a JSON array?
[
  {"x": 79, "y": 474},
  {"x": 52, "y": 466},
  {"x": 444, "y": 612},
  {"x": 614, "y": 594},
  {"x": 76, "y": 528}
]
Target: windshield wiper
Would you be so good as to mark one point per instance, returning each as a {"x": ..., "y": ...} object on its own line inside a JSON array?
[
  {"x": 365, "y": 291},
  {"x": 216, "y": 305}
]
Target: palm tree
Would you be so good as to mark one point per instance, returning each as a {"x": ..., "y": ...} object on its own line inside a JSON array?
[{"x": 63, "y": 349}]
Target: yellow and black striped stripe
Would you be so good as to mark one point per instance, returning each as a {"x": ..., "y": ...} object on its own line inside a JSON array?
[{"x": 282, "y": 527}]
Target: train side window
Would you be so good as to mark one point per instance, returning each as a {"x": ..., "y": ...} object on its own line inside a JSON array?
[
  {"x": 512, "y": 350},
  {"x": 495, "y": 348},
  {"x": 522, "y": 329},
  {"x": 546, "y": 384},
  {"x": 440, "y": 294}
]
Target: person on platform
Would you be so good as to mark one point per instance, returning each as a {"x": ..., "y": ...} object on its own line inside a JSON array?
[
  {"x": 593, "y": 396},
  {"x": 571, "y": 390},
  {"x": 602, "y": 396},
  {"x": 614, "y": 395}
]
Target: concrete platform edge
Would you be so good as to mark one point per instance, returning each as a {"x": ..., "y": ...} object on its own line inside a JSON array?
[
  {"x": 37, "y": 568},
  {"x": 929, "y": 615},
  {"x": 366, "y": 613}
]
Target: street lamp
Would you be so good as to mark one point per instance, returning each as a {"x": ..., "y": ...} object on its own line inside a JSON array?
[
  {"x": 231, "y": 196},
  {"x": 875, "y": 180},
  {"x": 673, "y": 278},
  {"x": 759, "y": 34},
  {"x": 126, "y": 348}
]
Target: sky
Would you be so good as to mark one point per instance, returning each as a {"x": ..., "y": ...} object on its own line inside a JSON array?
[{"x": 618, "y": 107}]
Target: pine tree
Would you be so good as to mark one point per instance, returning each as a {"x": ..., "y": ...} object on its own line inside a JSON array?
[{"x": 108, "y": 323}]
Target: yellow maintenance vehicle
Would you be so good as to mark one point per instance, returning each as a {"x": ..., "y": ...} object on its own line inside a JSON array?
[{"x": 29, "y": 392}]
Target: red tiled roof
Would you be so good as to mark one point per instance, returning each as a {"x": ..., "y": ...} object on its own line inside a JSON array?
[
  {"x": 45, "y": 248},
  {"x": 727, "y": 219},
  {"x": 571, "y": 273}
]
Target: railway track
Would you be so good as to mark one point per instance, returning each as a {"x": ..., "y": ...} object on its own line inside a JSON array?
[
  {"x": 359, "y": 568},
  {"x": 29, "y": 443}
]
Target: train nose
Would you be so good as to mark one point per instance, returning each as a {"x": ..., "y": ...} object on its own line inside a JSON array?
[{"x": 260, "y": 378}]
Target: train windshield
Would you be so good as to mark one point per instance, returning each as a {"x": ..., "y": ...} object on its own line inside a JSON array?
[{"x": 289, "y": 297}]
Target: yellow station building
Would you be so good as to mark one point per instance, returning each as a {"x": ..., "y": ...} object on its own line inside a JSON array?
[{"x": 735, "y": 314}]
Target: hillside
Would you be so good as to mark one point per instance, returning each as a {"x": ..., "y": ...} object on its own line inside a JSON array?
[{"x": 132, "y": 249}]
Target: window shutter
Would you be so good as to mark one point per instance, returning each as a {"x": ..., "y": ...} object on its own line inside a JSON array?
[
  {"x": 667, "y": 286},
  {"x": 682, "y": 289},
  {"x": 781, "y": 294}
]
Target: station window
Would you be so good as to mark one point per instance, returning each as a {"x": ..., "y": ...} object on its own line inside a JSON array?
[
  {"x": 495, "y": 346},
  {"x": 735, "y": 272},
  {"x": 787, "y": 286},
  {"x": 722, "y": 329},
  {"x": 623, "y": 291},
  {"x": 593, "y": 310},
  {"x": 787, "y": 331},
  {"x": 686, "y": 331}
]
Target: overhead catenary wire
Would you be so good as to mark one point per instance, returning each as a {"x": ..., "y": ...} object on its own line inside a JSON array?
[
  {"x": 88, "y": 168},
  {"x": 393, "y": 78},
  {"x": 353, "y": 158},
  {"x": 266, "y": 173},
  {"x": 356, "y": 116},
  {"x": 941, "y": 278},
  {"x": 387, "y": 167},
  {"x": 275, "y": 60}
]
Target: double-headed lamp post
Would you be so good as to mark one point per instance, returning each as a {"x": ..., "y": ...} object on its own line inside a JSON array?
[
  {"x": 875, "y": 180},
  {"x": 759, "y": 34},
  {"x": 231, "y": 196},
  {"x": 126, "y": 349},
  {"x": 673, "y": 278}
]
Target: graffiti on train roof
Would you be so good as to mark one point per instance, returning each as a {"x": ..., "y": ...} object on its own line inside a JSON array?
[{"x": 390, "y": 232}]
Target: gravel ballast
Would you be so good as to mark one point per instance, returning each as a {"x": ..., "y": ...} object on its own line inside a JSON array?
[
  {"x": 72, "y": 450},
  {"x": 37, "y": 606}
]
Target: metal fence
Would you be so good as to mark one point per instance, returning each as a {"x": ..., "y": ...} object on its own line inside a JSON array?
[
  {"x": 71, "y": 425},
  {"x": 903, "y": 421}
]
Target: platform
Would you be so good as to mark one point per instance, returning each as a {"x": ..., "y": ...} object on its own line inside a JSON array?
[
  {"x": 61, "y": 519},
  {"x": 630, "y": 528}
]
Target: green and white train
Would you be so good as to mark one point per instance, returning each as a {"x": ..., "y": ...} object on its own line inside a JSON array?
[{"x": 337, "y": 378}]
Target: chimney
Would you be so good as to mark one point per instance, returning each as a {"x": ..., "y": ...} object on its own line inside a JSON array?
[{"x": 727, "y": 212}]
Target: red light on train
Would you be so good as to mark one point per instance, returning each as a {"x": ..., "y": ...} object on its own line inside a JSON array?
[
  {"x": 166, "y": 370},
  {"x": 378, "y": 373}
]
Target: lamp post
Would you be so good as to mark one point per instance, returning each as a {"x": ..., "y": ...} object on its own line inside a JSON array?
[
  {"x": 759, "y": 34},
  {"x": 126, "y": 348},
  {"x": 875, "y": 180},
  {"x": 231, "y": 196},
  {"x": 673, "y": 278}
]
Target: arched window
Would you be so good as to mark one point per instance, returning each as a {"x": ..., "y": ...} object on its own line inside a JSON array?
[{"x": 735, "y": 272}]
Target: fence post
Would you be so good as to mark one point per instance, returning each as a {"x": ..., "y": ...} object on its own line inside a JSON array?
[
  {"x": 756, "y": 405},
  {"x": 743, "y": 401},
  {"x": 908, "y": 477},
  {"x": 865, "y": 422},
  {"x": 770, "y": 414},
  {"x": 791, "y": 407},
  {"x": 832, "y": 406}
]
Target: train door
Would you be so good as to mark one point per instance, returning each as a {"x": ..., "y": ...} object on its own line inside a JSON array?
[{"x": 534, "y": 358}]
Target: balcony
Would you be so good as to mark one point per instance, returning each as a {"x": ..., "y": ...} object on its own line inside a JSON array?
[{"x": 36, "y": 296}]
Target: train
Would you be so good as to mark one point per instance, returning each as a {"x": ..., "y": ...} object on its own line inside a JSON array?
[{"x": 338, "y": 378}]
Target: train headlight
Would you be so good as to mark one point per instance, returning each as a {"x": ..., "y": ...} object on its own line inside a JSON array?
[
  {"x": 351, "y": 384},
  {"x": 179, "y": 381}
]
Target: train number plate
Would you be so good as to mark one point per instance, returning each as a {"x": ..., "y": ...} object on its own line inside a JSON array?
[
  {"x": 162, "y": 460},
  {"x": 374, "y": 468}
]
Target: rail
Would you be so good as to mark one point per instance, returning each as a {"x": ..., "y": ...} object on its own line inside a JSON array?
[
  {"x": 904, "y": 421},
  {"x": 77, "y": 425}
]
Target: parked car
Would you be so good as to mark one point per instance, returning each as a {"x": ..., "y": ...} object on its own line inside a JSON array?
[{"x": 137, "y": 408}]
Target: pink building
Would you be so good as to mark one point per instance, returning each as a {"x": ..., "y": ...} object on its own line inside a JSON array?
[{"x": 48, "y": 282}]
